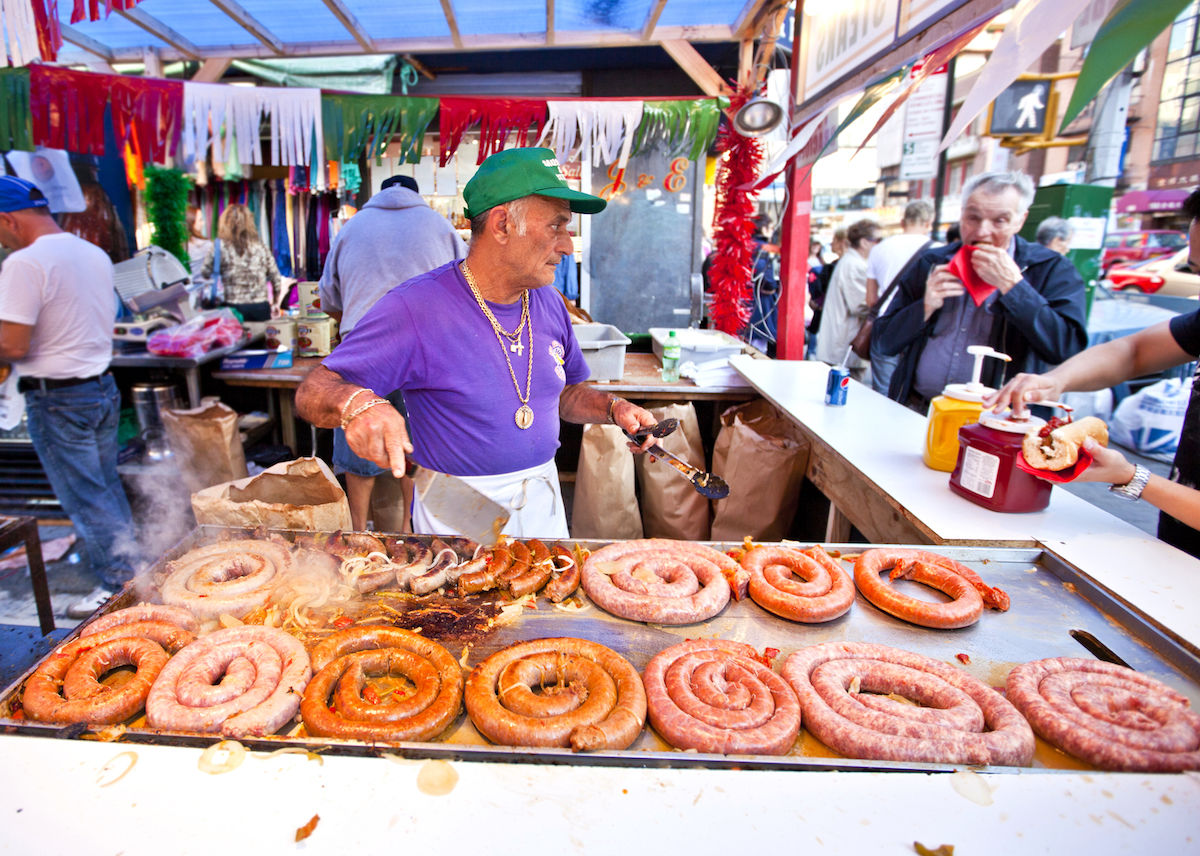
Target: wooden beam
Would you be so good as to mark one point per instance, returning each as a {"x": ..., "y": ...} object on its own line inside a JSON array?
[
  {"x": 695, "y": 66},
  {"x": 656, "y": 9},
  {"x": 421, "y": 67},
  {"x": 89, "y": 44},
  {"x": 250, "y": 24},
  {"x": 347, "y": 19},
  {"x": 152, "y": 62},
  {"x": 745, "y": 63},
  {"x": 549, "y": 22},
  {"x": 212, "y": 70},
  {"x": 452, "y": 23},
  {"x": 161, "y": 31},
  {"x": 746, "y": 25}
]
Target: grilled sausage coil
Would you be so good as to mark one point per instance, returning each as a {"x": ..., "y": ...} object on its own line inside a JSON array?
[
  {"x": 970, "y": 593},
  {"x": 658, "y": 580}
]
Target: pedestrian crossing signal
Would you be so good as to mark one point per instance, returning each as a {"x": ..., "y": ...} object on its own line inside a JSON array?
[{"x": 1022, "y": 109}]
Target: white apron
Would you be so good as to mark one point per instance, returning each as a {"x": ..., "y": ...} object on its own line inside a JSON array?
[{"x": 532, "y": 497}]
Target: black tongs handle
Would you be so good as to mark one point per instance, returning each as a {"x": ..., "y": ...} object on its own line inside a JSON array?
[{"x": 662, "y": 429}]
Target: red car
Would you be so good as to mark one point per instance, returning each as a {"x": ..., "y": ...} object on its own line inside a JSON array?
[{"x": 1125, "y": 247}]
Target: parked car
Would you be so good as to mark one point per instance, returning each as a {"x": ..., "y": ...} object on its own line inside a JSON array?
[
  {"x": 1124, "y": 247},
  {"x": 1166, "y": 275}
]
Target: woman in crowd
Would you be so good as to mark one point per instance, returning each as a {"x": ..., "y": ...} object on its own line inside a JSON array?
[
  {"x": 247, "y": 268},
  {"x": 846, "y": 301}
]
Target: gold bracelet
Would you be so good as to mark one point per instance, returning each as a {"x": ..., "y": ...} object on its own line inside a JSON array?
[
  {"x": 612, "y": 406},
  {"x": 372, "y": 403},
  {"x": 349, "y": 401}
]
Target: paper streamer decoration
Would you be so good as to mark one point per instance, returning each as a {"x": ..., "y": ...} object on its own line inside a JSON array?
[
  {"x": 20, "y": 31},
  {"x": 358, "y": 125},
  {"x": 146, "y": 113},
  {"x": 91, "y": 9},
  {"x": 609, "y": 126},
  {"x": 496, "y": 117},
  {"x": 680, "y": 126},
  {"x": 68, "y": 108},
  {"x": 297, "y": 130},
  {"x": 15, "y": 125}
]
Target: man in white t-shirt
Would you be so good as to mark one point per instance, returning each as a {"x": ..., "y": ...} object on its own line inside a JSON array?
[
  {"x": 886, "y": 261},
  {"x": 57, "y": 309}
]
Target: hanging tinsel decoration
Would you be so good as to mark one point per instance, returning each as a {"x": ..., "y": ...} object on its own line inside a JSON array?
[
  {"x": 364, "y": 125},
  {"x": 15, "y": 118},
  {"x": 166, "y": 209},
  {"x": 733, "y": 266},
  {"x": 497, "y": 118},
  {"x": 680, "y": 126}
]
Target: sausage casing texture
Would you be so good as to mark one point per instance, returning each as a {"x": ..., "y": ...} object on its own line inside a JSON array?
[
  {"x": 67, "y": 689},
  {"x": 348, "y": 658},
  {"x": 712, "y": 695},
  {"x": 176, "y": 615},
  {"x": 843, "y": 689},
  {"x": 826, "y": 592},
  {"x": 970, "y": 593},
  {"x": 591, "y": 697},
  {"x": 270, "y": 682},
  {"x": 658, "y": 580},
  {"x": 562, "y": 586},
  {"x": 230, "y": 577},
  {"x": 1110, "y": 716}
]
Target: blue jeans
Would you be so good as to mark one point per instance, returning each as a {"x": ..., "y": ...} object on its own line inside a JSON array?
[
  {"x": 74, "y": 430},
  {"x": 882, "y": 369}
]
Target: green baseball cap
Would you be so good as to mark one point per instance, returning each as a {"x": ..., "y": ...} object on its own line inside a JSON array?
[{"x": 513, "y": 173}]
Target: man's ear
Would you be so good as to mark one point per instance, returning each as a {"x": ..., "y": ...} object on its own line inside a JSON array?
[{"x": 499, "y": 223}]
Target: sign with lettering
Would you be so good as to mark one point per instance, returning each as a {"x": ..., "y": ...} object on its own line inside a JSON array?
[
  {"x": 916, "y": 13},
  {"x": 923, "y": 127},
  {"x": 841, "y": 36}
]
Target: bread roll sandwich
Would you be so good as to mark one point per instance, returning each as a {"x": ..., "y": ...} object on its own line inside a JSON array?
[{"x": 1057, "y": 448}]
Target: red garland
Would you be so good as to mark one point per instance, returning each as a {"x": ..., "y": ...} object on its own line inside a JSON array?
[
  {"x": 49, "y": 32},
  {"x": 92, "y": 12},
  {"x": 497, "y": 118},
  {"x": 731, "y": 274}
]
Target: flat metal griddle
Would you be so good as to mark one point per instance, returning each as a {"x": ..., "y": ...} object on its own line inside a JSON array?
[{"x": 1050, "y": 598}]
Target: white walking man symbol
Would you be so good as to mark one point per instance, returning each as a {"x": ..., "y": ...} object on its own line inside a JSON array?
[{"x": 1029, "y": 105}]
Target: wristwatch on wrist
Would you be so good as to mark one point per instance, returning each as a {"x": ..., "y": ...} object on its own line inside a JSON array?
[{"x": 1133, "y": 489}]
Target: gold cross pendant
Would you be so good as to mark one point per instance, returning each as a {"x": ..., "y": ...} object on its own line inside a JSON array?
[{"x": 518, "y": 348}]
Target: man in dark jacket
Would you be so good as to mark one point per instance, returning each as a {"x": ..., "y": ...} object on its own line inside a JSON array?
[{"x": 1022, "y": 299}]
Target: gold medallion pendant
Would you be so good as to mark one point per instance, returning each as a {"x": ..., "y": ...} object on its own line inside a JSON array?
[{"x": 524, "y": 416}]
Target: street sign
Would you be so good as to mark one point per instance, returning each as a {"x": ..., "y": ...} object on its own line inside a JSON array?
[{"x": 1021, "y": 110}]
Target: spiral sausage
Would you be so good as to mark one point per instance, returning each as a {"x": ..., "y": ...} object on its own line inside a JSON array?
[
  {"x": 713, "y": 696},
  {"x": 345, "y": 661},
  {"x": 174, "y": 615},
  {"x": 591, "y": 697},
  {"x": 239, "y": 681},
  {"x": 66, "y": 687},
  {"x": 1110, "y": 716},
  {"x": 658, "y": 580},
  {"x": 230, "y": 577},
  {"x": 970, "y": 593},
  {"x": 842, "y": 687},
  {"x": 825, "y": 593}
]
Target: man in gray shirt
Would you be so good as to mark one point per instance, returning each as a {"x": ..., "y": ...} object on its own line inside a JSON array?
[{"x": 395, "y": 237}]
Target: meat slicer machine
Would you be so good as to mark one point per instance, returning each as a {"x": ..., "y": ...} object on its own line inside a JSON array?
[{"x": 156, "y": 289}]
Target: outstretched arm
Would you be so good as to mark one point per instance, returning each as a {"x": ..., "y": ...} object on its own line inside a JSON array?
[{"x": 374, "y": 432}]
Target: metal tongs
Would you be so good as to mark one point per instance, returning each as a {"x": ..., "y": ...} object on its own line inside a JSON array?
[{"x": 706, "y": 484}]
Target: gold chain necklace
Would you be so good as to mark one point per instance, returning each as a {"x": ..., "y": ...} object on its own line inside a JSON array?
[{"x": 524, "y": 415}]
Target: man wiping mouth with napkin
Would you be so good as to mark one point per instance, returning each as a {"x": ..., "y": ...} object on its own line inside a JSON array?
[{"x": 992, "y": 288}]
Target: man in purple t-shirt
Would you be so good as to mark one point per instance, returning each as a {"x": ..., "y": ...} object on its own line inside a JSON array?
[{"x": 484, "y": 354}]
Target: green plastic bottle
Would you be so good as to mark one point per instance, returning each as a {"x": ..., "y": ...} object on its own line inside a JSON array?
[{"x": 670, "y": 359}]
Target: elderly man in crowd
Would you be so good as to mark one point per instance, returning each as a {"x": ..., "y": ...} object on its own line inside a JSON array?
[
  {"x": 1054, "y": 233},
  {"x": 484, "y": 354},
  {"x": 395, "y": 237},
  {"x": 1019, "y": 298}
]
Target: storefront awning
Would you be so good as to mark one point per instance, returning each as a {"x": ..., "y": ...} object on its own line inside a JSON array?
[{"x": 1144, "y": 201}]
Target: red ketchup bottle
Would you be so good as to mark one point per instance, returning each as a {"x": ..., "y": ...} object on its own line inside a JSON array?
[{"x": 986, "y": 472}]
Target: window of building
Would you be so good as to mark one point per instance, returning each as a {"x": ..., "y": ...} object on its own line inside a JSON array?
[{"x": 1178, "y": 132}]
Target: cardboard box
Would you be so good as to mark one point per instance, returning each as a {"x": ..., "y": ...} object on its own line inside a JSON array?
[
  {"x": 280, "y": 358},
  {"x": 603, "y": 347}
]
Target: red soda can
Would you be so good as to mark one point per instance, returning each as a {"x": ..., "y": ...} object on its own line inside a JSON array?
[{"x": 837, "y": 385}]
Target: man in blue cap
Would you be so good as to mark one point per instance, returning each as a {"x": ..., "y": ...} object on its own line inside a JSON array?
[
  {"x": 56, "y": 318},
  {"x": 484, "y": 354}
]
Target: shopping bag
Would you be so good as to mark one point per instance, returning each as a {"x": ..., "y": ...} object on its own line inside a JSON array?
[
  {"x": 207, "y": 444},
  {"x": 605, "y": 504},
  {"x": 1151, "y": 420},
  {"x": 671, "y": 507},
  {"x": 763, "y": 458},
  {"x": 300, "y": 494}
]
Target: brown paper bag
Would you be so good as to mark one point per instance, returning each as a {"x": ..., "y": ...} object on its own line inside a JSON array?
[
  {"x": 300, "y": 494},
  {"x": 605, "y": 504},
  {"x": 763, "y": 457},
  {"x": 206, "y": 444},
  {"x": 671, "y": 507}
]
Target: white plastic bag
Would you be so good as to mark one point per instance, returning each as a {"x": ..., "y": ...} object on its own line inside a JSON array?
[
  {"x": 1151, "y": 420},
  {"x": 12, "y": 403}
]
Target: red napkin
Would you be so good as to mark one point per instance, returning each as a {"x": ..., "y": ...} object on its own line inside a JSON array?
[
  {"x": 1069, "y": 474},
  {"x": 976, "y": 286}
]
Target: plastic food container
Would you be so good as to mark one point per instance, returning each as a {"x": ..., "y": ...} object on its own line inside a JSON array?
[
  {"x": 697, "y": 346},
  {"x": 987, "y": 472},
  {"x": 603, "y": 347}
]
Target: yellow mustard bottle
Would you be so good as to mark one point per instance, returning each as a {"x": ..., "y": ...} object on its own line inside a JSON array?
[{"x": 959, "y": 404}]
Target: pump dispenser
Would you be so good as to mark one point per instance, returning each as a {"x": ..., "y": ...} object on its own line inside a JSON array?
[{"x": 959, "y": 404}]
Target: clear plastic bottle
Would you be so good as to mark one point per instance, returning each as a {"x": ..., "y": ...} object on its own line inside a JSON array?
[{"x": 670, "y": 359}]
